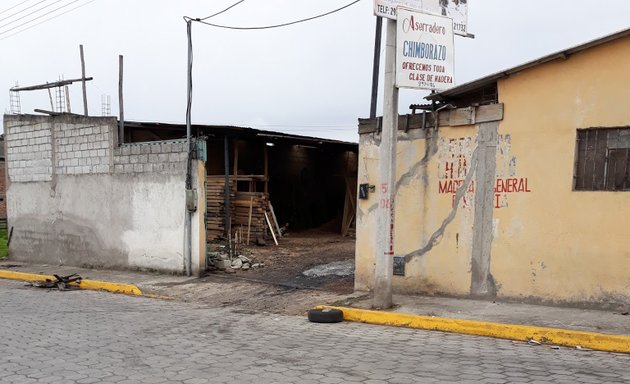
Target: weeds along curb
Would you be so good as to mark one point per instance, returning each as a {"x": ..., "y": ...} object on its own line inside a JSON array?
[{"x": 544, "y": 335}]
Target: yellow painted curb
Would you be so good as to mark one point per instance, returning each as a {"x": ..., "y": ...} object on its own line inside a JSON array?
[
  {"x": 95, "y": 285},
  {"x": 555, "y": 336},
  {"x": 127, "y": 289}
]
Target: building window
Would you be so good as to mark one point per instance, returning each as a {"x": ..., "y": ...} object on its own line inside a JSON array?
[{"x": 603, "y": 159}]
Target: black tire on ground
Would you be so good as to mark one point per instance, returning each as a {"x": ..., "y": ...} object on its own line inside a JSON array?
[{"x": 326, "y": 315}]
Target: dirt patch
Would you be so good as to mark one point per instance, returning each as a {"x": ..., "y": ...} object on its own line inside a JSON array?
[
  {"x": 296, "y": 253},
  {"x": 280, "y": 286},
  {"x": 243, "y": 294}
]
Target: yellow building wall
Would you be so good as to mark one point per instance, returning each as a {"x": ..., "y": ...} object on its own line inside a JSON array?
[
  {"x": 420, "y": 211},
  {"x": 549, "y": 243},
  {"x": 554, "y": 243}
]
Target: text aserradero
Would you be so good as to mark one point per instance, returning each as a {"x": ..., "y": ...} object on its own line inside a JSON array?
[
  {"x": 421, "y": 50},
  {"x": 411, "y": 25}
]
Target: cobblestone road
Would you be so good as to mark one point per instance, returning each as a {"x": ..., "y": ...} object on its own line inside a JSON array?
[{"x": 91, "y": 337}]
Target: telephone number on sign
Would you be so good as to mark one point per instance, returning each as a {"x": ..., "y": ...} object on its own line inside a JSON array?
[{"x": 385, "y": 10}]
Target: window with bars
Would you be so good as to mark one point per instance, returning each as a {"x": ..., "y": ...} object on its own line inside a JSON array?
[{"x": 603, "y": 159}]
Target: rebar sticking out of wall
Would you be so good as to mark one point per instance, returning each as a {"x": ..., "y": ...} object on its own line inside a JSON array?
[
  {"x": 14, "y": 101},
  {"x": 60, "y": 98},
  {"x": 106, "y": 105}
]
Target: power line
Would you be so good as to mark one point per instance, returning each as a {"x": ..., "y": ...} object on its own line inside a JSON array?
[
  {"x": 31, "y": 13},
  {"x": 38, "y": 17},
  {"x": 275, "y": 25},
  {"x": 15, "y": 6},
  {"x": 43, "y": 21},
  {"x": 223, "y": 11},
  {"x": 18, "y": 12}
]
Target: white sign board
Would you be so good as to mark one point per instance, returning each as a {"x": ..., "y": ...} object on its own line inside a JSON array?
[
  {"x": 424, "y": 51},
  {"x": 455, "y": 9}
]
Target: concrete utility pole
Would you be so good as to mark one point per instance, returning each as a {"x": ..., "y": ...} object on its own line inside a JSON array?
[
  {"x": 188, "y": 223},
  {"x": 376, "y": 65},
  {"x": 385, "y": 221}
]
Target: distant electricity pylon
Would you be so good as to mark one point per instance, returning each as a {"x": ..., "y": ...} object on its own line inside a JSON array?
[
  {"x": 106, "y": 105},
  {"x": 14, "y": 101}
]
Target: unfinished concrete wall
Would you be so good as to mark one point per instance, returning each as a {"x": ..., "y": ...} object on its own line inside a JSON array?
[{"x": 75, "y": 197}]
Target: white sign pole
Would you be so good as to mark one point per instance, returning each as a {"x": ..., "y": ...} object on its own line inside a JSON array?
[{"x": 387, "y": 187}]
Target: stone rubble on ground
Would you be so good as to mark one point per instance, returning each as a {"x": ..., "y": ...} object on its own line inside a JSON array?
[{"x": 221, "y": 260}]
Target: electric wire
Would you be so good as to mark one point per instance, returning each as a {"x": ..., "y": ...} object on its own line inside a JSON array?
[
  {"x": 18, "y": 12},
  {"x": 189, "y": 21},
  {"x": 39, "y": 17},
  {"x": 29, "y": 14},
  {"x": 223, "y": 11},
  {"x": 48, "y": 19},
  {"x": 15, "y": 6},
  {"x": 275, "y": 25}
]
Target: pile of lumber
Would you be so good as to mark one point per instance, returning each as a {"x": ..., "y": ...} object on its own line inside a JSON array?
[
  {"x": 215, "y": 204},
  {"x": 256, "y": 203},
  {"x": 247, "y": 211}
]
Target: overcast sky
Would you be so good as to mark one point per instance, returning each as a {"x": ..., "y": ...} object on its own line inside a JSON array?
[{"x": 313, "y": 78}]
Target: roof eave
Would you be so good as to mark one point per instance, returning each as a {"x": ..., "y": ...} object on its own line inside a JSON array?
[{"x": 487, "y": 80}]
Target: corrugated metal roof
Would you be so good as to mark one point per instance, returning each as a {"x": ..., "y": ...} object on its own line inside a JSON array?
[
  {"x": 484, "y": 81},
  {"x": 235, "y": 131}
]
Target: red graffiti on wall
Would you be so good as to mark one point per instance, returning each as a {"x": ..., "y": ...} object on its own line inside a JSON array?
[{"x": 502, "y": 187}]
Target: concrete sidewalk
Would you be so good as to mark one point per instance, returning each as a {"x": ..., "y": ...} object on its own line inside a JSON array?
[
  {"x": 587, "y": 320},
  {"x": 597, "y": 329},
  {"x": 148, "y": 283},
  {"x": 554, "y": 326},
  {"x": 215, "y": 290}
]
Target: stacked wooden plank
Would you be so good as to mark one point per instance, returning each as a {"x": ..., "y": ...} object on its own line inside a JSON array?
[
  {"x": 215, "y": 204},
  {"x": 259, "y": 202},
  {"x": 240, "y": 209}
]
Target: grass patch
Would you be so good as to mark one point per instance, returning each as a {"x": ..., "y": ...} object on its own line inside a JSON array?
[{"x": 4, "y": 249}]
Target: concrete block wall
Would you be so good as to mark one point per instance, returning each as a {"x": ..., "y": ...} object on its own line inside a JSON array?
[
  {"x": 29, "y": 150},
  {"x": 158, "y": 156},
  {"x": 74, "y": 197},
  {"x": 39, "y": 147},
  {"x": 81, "y": 149}
]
